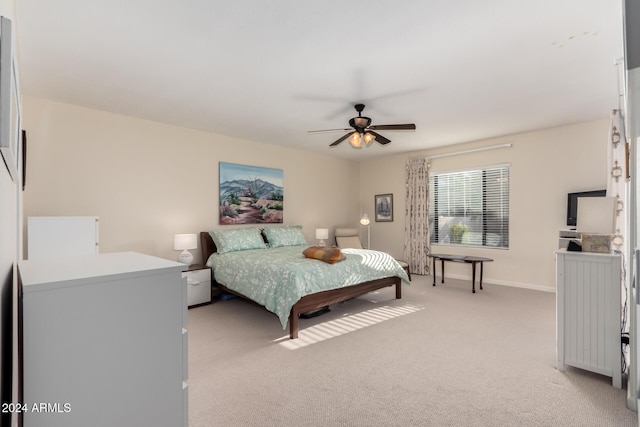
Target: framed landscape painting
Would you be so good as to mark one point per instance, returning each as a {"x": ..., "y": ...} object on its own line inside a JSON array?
[
  {"x": 384, "y": 207},
  {"x": 250, "y": 194}
]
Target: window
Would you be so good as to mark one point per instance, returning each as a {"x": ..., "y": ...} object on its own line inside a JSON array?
[{"x": 470, "y": 207}]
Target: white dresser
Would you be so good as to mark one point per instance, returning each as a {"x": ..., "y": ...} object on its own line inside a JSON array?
[
  {"x": 103, "y": 341},
  {"x": 588, "y": 313}
]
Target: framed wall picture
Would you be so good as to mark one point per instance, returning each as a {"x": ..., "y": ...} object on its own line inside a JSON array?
[
  {"x": 250, "y": 194},
  {"x": 24, "y": 158},
  {"x": 9, "y": 102},
  {"x": 384, "y": 207}
]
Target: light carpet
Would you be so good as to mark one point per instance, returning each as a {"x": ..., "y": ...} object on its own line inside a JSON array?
[{"x": 440, "y": 356}]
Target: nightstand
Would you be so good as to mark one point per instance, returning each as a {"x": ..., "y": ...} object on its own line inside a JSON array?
[{"x": 198, "y": 285}]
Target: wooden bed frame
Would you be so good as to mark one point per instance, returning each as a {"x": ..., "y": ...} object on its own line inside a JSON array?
[{"x": 312, "y": 301}]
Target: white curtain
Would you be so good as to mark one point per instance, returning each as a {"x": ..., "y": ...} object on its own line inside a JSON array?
[
  {"x": 618, "y": 167},
  {"x": 617, "y": 182},
  {"x": 416, "y": 231}
]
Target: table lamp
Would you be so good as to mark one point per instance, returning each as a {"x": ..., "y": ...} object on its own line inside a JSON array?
[
  {"x": 184, "y": 242},
  {"x": 321, "y": 234}
]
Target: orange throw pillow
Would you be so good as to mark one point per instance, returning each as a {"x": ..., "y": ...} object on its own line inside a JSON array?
[{"x": 329, "y": 254}]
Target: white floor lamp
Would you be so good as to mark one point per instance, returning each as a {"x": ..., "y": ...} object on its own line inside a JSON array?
[{"x": 365, "y": 221}]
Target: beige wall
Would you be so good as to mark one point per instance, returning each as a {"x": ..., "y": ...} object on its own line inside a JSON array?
[
  {"x": 148, "y": 181},
  {"x": 545, "y": 166}
]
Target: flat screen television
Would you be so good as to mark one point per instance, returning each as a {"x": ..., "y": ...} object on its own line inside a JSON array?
[{"x": 572, "y": 204}]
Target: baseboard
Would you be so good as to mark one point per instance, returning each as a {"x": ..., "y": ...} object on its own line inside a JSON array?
[{"x": 506, "y": 283}]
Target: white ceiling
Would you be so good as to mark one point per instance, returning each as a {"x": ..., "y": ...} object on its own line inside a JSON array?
[{"x": 269, "y": 70}]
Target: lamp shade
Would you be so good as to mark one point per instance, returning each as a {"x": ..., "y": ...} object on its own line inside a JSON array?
[
  {"x": 355, "y": 140},
  {"x": 364, "y": 220},
  {"x": 368, "y": 138},
  {"x": 185, "y": 241},
  {"x": 322, "y": 233},
  {"x": 358, "y": 139}
]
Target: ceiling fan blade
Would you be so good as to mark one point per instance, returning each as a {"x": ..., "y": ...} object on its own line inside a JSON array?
[
  {"x": 342, "y": 138},
  {"x": 408, "y": 126},
  {"x": 381, "y": 139},
  {"x": 329, "y": 130}
]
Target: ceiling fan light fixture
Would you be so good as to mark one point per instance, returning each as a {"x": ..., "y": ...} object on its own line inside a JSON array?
[
  {"x": 361, "y": 122},
  {"x": 355, "y": 140},
  {"x": 363, "y": 134},
  {"x": 369, "y": 138}
]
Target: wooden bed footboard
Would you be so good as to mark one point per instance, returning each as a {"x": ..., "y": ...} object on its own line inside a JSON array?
[
  {"x": 325, "y": 298},
  {"x": 322, "y": 299}
]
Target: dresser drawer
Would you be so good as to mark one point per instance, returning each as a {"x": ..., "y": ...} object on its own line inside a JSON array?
[
  {"x": 185, "y": 404},
  {"x": 185, "y": 354},
  {"x": 185, "y": 297},
  {"x": 196, "y": 276}
]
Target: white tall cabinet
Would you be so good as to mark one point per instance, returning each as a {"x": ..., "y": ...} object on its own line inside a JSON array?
[
  {"x": 588, "y": 313},
  {"x": 103, "y": 341}
]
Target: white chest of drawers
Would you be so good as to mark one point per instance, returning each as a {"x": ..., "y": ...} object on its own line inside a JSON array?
[{"x": 103, "y": 336}]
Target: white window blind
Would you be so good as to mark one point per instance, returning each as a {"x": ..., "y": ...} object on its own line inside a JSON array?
[{"x": 470, "y": 207}]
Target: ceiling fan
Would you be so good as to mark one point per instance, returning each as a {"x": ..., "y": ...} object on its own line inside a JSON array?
[{"x": 362, "y": 133}]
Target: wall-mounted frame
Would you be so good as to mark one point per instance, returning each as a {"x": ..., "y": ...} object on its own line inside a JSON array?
[
  {"x": 24, "y": 158},
  {"x": 10, "y": 127},
  {"x": 250, "y": 194},
  {"x": 384, "y": 207}
]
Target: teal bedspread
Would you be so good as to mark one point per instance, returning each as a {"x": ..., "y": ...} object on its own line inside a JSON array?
[{"x": 277, "y": 278}]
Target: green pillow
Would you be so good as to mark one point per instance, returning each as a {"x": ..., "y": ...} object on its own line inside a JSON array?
[
  {"x": 240, "y": 239},
  {"x": 288, "y": 235}
]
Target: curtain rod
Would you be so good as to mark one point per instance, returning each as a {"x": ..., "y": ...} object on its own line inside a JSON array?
[{"x": 492, "y": 147}]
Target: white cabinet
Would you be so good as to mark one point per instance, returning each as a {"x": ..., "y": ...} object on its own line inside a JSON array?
[
  {"x": 588, "y": 316},
  {"x": 62, "y": 236},
  {"x": 198, "y": 279},
  {"x": 103, "y": 341}
]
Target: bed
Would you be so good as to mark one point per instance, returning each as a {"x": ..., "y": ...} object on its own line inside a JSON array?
[{"x": 279, "y": 278}]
